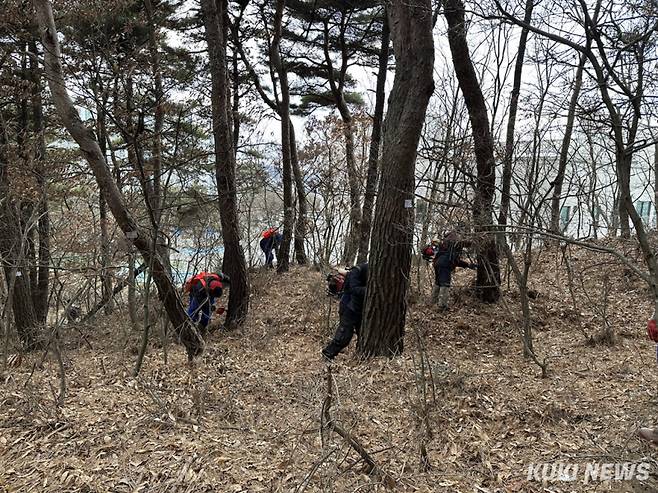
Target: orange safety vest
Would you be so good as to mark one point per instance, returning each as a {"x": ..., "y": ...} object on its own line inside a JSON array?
[{"x": 205, "y": 278}]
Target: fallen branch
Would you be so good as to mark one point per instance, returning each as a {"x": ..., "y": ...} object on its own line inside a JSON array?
[{"x": 327, "y": 422}]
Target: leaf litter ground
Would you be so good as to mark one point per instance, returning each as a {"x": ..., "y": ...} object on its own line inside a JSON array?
[{"x": 247, "y": 416}]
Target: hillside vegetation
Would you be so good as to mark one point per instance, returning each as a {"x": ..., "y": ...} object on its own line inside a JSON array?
[{"x": 247, "y": 416}]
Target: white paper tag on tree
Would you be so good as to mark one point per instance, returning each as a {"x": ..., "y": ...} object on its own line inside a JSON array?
[{"x": 408, "y": 204}]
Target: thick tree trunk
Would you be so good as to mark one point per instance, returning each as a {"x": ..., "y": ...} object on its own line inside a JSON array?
[
  {"x": 12, "y": 247},
  {"x": 488, "y": 273},
  {"x": 302, "y": 206},
  {"x": 558, "y": 182},
  {"x": 16, "y": 226},
  {"x": 511, "y": 122},
  {"x": 393, "y": 228},
  {"x": 92, "y": 153},
  {"x": 27, "y": 324},
  {"x": 283, "y": 254},
  {"x": 215, "y": 14},
  {"x": 375, "y": 141},
  {"x": 106, "y": 279}
]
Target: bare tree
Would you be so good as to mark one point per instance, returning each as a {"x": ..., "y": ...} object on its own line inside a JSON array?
[
  {"x": 90, "y": 149},
  {"x": 488, "y": 273},
  {"x": 618, "y": 55},
  {"x": 558, "y": 181},
  {"x": 511, "y": 122}
]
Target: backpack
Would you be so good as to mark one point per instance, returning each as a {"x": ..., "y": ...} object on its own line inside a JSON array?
[
  {"x": 335, "y": 283},
  {"x": 428, "y": 253},
  {"x": 268, "y": 233}
]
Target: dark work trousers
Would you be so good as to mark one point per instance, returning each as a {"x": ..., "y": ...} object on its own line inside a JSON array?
[
  {"x": 267, "y": 245},
  {"x": 200, "y": 308},
  {"x": 442, "y": 276},
  {"x": 350, "y": 322}
]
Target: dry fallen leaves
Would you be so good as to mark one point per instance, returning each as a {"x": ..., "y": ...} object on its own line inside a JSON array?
[{"x": 246, "y": 418}]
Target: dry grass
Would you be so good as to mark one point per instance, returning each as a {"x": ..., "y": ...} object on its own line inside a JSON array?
[{"x": 247, "y": 417}]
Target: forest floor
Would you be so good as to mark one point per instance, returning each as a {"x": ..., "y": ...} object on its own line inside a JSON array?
[{"x": 247, "y": 416}]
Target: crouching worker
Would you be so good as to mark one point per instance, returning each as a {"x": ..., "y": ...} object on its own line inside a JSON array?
[
  {"x": 446, "y": 259},
  {"x": 203, "y": 289},
  {"x": 271, "y": 240},
  {"x": 350, "y": 309}
]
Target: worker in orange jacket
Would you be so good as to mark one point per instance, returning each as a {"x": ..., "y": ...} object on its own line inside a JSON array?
[
  {"x": 271, "y": 240},
  {"x": 203, "y": 289}
]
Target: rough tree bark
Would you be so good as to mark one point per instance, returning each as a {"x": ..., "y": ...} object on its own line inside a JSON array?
[
  {"x": 16, "y": 225},
  {"x": 91, "y": 151},
  {"x": 375, "y": 141},
  {"x": 488, "y": 273},
  {"x": 511, "y": 122},
  {"x": 16, "y": 268},
  {"x": 215, "y": 14},
  {"x": 283, "y": 254},
  {"x": 390, "y": 257}
]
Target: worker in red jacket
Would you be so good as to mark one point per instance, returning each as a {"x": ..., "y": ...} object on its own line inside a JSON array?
[
  {"x": 203, "y": 289},
  {"x": 270, "y": 241}
]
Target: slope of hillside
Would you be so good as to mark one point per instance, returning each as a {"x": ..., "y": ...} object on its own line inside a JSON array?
[{"x": 247, "y": 417}]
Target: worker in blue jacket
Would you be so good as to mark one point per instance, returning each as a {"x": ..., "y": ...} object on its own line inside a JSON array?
[{"x": 446, "y": 259}]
